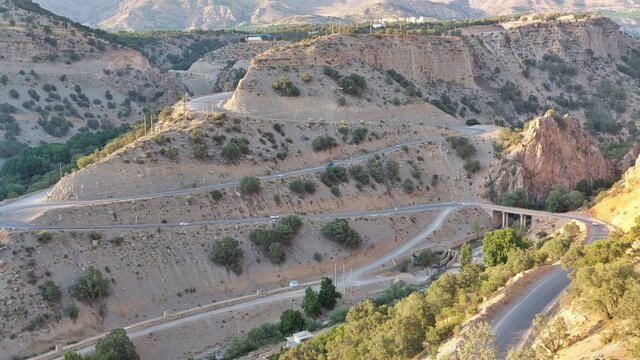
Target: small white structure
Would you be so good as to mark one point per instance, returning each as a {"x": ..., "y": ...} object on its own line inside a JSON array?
[
  {"x": 379, "y": 26},
  {"x": 298, "y": 338}
]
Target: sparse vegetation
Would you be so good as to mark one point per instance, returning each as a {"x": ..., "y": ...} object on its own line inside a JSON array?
[
  {"x": 324, "y": 142},
  {"x": 235, "y": 148},
  {"x": 250, "y": 185},
  {"x": 285, "y": 87},
  {"x": 50, "y": 291}
]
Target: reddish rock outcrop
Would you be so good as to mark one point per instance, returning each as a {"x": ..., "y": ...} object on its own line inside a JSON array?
[{"x": 554, "y": 150}]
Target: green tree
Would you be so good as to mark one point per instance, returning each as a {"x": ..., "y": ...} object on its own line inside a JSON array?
[
  {"x": 393, "y": 169},
  {"x": 90, "y": 285},
  {"x": 310, "y": 303},
  {"x": 276, "y": 253},
  {"x": 291, "y": 321},
  {"x": 601, "y": 287},
  {"x": 340, "y": 232},
  {"x": 50, "y": 291},
  {"x": 227, "y": 252},
  {"x": 628, "y": 309},
  {"x": 478, "y": 343},
  {"x": 116, "y": 341},
  {"x": 328, "y": 295},
  {"x": 249, "y": 185},
  {"x": 551, "y": 335},
  {"x": 517, "y": 198},
  {"x": 466, "y": 255},
  {"x": 498, "y": 243}
]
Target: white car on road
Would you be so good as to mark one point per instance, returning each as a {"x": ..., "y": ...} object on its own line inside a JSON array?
[{"x": 183, "y": 223}]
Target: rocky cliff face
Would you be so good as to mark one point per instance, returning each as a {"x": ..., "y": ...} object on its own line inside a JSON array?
[
  {"x": 553, "y": 151},
  {"x": 474, "y": 66}
]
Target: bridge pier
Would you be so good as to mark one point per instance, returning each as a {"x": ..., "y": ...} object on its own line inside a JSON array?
[{"x": 503, "y": 219}]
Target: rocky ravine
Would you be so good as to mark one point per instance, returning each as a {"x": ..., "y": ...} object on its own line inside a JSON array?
[{"x": 553, "y": 150}]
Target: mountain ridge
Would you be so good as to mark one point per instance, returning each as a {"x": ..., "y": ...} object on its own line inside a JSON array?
[{"x": 116, "y": 15}]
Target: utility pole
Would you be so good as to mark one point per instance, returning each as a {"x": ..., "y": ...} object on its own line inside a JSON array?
[
  {"x": 151, "y": 122},
  {"x": 60, "y": 165},
  {"x": 144, "y": 118},
  {"x": 335, "y": 273},
  {"x": 344, "y": 280}
]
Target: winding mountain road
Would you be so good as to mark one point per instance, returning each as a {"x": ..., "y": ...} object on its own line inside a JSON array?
[{"x": 510, "y": 326}]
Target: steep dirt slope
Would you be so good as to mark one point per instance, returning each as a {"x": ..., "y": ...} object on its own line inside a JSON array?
[
  {"x": 553, "y": 150},
  {"x": 145, "y": 167},
  {"x": 61, "y": 79},
  {"x": 621, "y": 205}
]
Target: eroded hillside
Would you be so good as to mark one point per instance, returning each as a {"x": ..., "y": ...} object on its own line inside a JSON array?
[
  {"x": 493, "y": 74},
  {"x": 58, "y": 79}
]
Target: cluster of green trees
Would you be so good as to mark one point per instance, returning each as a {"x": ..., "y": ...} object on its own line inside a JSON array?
[
  {"x": 511, "y": 93},
  {"x": 302, "y": 186},
  {"x": 274, "y": 240},
  {"x": 446, "y": 104},
  {"x": 323, "y": 142},
  {"x": 559, "y": 199},
  {"x": 291, "y": 321},
  {"x": 422, "y": 321},
  {"x": 339, "y": 231},
  {"x": 34, "y": 168},
  {"x": 465, "y": 150},
  {"x": 605, "y": 286},
  {"x": 313, "y": 302},
  {"x": 235, "y": 148},
  {"x": 353, "y": 84},
  {"x": 116, "y": 345}
]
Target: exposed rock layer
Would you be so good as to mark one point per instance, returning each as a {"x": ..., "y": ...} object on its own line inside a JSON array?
[{"x": 554, "y": 151}]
